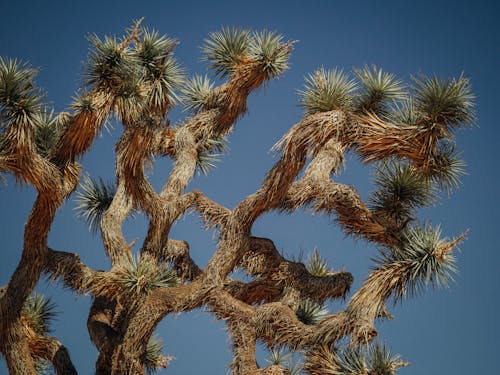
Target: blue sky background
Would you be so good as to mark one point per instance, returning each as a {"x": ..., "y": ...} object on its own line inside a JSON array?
[{"x": 452, "y": 331}]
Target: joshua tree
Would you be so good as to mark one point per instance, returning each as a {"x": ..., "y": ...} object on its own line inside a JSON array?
[{"x": 404, "y": 130}]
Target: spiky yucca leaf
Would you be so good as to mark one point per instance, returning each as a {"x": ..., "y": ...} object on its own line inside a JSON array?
[
  {"x": 169, "y": 76},
  {"x": 316, "y": 265},
  {"x": 381, "y": 361},
  {"x": 405, "y": 113},
  {"x": 268, "y": 50},
  {"x": 327, "y": 90},
  {"x": 310, "y": 312},
  {"x": 154, "y": 48},
  {"x": 93, "y": 200},
  {"x": 447, "y": 102},
  {"x": 345, "y": 362},
  {"x": 195, "y": 93},
  {"x": 48, "y": 130},
  {"x": 83, "y": 103},
  {"x": 423, "y": 259},
  {"x": 142, "y": 275},
  {"x": 379, "y": 88},
  {"x": 279, "y": 356},
  {"x": 208, "y": 153},
  {"x": 20, "y": 100},
  {"x": 446, "y": 167},
  {"x": 110, "y": 65},
  {"x": 39, "y": 312},
  {"x": 295, "y": 368},
  {"x": 401, "y": 189},
  {"x": 374, "y": 360},
  {"x": 225, "y": 49},
  {"x": 153, "y": 358},
  {"x": 162, "y": 72}
]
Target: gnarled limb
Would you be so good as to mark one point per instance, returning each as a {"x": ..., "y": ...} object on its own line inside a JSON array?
[
  {"x": 111, "y": 226},
  {"x": 51, "y": 349}
]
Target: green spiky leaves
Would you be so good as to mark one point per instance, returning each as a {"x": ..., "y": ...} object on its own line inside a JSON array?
[
  {"x": 137, "y": 73},
  {"x": 327, "y": 90},
  {"x": 375, "y": 360},
  {"x": 143, "y": 275},
  {"x": 48, "y": 130},
  {"x": 153, "y": 358},
  {"x": 381, "y": 361},
  {"x": 378, "y": 89},
  {"x": 448, "y": 102},
  {"x": 422, "y": 259},
  {"x": 20, "y": 100},
  {"x": 196, "y": 93},
  {"x": 93, "y": 200},
  {"x": 316, "y": 265},
  {"x": 268, "y": 50},
  {"x": 225, "y": 49},
  {"x": 109, "y": 63},
  {"x": 153, "y": 49},
  {"x": 445, "y": 167},
  {"x": 401, "y": 190},
  {"x": 229, "y": 48},
  {"x": 280, "y": 356},
  {"x": 208, "y": 153},
  {"x": 162, "y": 72},
  {"x": 38, "y": 313},
  {"x": 310, "y": 312}
]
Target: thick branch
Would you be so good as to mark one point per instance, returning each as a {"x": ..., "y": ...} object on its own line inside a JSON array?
[
  {"x": 70, "y": 270},
  {"x": 265, "y": 262},
  {"x": 111, "y": 226},
  {"x": 54, "y": 351}
]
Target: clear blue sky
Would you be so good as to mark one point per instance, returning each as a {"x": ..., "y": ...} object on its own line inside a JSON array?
[{"x": 452, "y": 331}]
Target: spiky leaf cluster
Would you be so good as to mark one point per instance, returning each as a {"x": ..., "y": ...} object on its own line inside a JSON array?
[
  {"x": 404, "y": 113},
  {"x": 48, "y": 130},
  {"x": 422, "y": 259},
  {"x": 38, "y": 313},
  {"x": 381, "y": 361},
  {"x": 327, "y": 90},
  {"x": 153, "y": 358},
  {"x": 401, "y": 189},
  {"x": 316, "y": 265},
  {"x": 226, "y": 49},
  {"x": 138, "y": 73},
  {"x": 93, "y": 200},
  {"x": 229, "y": 48},
  {"x": 161, "y": 71},
  {"x": 195, "y": 93},
  {"x": 143, "y": 275},
  {"x": 445, "y": 167},
  {"x": 280, "y": 356},
  {"x": 83, "y": 104},
  {"x": 268, "y": 50},
  {"x": 378, "y": 89},
  {"x": 20, "y": 99},
  {"x": 110, "y": 65},
  {"x": 448, "y": 102},
  {"x": 208, "y": 153},
  {"x": 310, "y": 312},
  {"x": 376, "y": 360}
]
